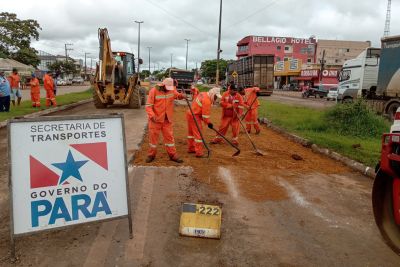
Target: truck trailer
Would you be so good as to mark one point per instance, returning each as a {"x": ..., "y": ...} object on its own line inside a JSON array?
[
  {"x": 185, "y": 78},
  {"x": 256, "y": 70},
  {"x": 385, "y": 97}
]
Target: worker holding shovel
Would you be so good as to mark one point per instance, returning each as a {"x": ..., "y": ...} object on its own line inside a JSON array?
[
  {"x": 252, "y": 104},
  {"x": 160, "y": 110},
  {"x": 200, "y": 111},
  {"x": 231, "y": 100}
]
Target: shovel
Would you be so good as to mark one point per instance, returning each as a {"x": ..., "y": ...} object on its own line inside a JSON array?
[
  {"x": 198, "y": 128},
  {"x": 256, "y": 150},
  {"x": 229, "y": 142}
]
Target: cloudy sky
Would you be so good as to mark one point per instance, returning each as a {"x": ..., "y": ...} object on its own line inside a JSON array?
[{"x": 168, "y": 22}]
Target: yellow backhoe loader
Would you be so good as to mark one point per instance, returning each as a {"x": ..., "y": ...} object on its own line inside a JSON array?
[{"x": 116, "y": 81}]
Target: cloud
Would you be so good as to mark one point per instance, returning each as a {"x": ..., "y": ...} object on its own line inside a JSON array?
[{"x": 168, "y": 22}]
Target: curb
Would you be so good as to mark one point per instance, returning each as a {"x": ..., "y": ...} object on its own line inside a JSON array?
[
  {"x": 49, "y": 111},
  {"x": 354, "y": 165}
]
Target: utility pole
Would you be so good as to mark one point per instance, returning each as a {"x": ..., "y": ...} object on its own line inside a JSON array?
[
  {"x": 149, "y": 47},
  {"x": 171, "y": 60},
  {"x": 322, "y": 62},
  {"x": 219, "y": 44},
  {"x": 85, "y": 64},
  {"x": 66, "y": 51},
  {"x": 91, "y": 67},
  {"x": 187, "y": 49},
  {"x": 138, "y": 53}
]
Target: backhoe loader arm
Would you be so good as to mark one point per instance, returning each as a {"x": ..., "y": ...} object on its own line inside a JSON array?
[{"x": 107, "y": 62}]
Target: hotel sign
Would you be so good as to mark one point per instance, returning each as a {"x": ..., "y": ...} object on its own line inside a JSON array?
[{"x": 283, "y": 40}]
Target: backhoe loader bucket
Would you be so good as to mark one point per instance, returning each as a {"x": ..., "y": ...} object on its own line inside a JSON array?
[{"x": 386, "y": 203}]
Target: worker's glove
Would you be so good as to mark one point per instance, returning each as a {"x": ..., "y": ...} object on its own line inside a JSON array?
[
  {"x": 210, "y": 125},
  {"x": 153, "y": 119}
]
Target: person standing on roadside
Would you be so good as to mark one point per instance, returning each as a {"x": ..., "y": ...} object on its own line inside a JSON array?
[
  {"x": 160, "y": 111},
  {"x": 49, "y": 87},
  {"x": 5, "y": 91},
  {"x": 252, "y": 104},
  {"x": 35, "y": 91},
  {"x": 15, "y": 84}
]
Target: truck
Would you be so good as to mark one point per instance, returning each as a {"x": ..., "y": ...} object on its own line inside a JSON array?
[
  {"x": 359, "y": 75},
  {"x": 255, "y": 70},
  {"x": 116, "y": 81},
  {"x": 384, "y": 96},
  {"x": 185, "y": 78}
]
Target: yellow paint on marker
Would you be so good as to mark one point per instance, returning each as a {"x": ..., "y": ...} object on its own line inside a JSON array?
[{"x": 200, "y": 220}]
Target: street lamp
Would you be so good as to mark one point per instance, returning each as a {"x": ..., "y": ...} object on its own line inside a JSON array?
[
  {"x": 138, "y": 53},
  {"x": 149, "y": 47},
  {"x": 219, "y": 43},
  {"x": 171, "y": 60},
  {"x": 85, "y": 65},
  {"x": 187, "y": 49}
]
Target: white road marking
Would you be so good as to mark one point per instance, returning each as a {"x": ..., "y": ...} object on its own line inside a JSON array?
[
  {"x": 228, "y": 179},
  {"x": 298, "y": 198}
]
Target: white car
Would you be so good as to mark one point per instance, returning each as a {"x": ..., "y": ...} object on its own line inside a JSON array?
[
  {"x": 61, "y": 82},
  {"x": 332, "y": 94},
  {"x": 199, "y": 82}
]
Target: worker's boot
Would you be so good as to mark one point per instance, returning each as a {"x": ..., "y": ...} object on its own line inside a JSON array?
[
  {"x": 150, "y": 159},
  {"x": 176, "y": 159},
  {"x": 236, "y": 143},
  {"x": 258, "y": 131}
]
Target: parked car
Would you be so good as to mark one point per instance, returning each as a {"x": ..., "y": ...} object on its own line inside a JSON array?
[
  {"x": 68, "y": 81},
  {"x": 332, "y": 94},
  {"x": 77, "y": 80},
  {"x": 320, "y": 92},
  {"x": 199, "y": 82},
  {"x": 61, "y": 82}
]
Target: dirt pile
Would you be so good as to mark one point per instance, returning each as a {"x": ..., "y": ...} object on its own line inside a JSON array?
[{"x": 254, "y": 176}]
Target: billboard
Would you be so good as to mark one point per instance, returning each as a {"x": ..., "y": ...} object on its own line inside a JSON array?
[{"x": 66, "y": 171}]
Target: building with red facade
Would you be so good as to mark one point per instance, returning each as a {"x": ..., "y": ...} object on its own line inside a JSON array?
[{"x": 284, "y": 48}]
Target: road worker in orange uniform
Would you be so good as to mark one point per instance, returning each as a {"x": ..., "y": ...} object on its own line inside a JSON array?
[
  {"x": 251, "y": 103},
  {"x": 231, "y": 100},
  {"x": 48, "y": 83},
  {"x": 201, "y": 107},
  {"x": 35, "y": 91},
  {"x": 160, "y": 110}
]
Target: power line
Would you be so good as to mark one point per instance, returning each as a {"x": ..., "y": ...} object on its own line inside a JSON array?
[
  {"x": 252, "y": 14},
  {"x": 178, "y": 18}
]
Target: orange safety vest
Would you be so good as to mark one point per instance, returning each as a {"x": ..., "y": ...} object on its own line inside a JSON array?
[
  {"x": 14, "y": 81},
  {"x": 201, "y": 106},
  {"x": 228, "y": 101},
  {"x": 160, "y": 104},
  {"x": 48, "y": 82},
  {"x": 251, "y": 96},
  {"x": 35, "y": 87}
]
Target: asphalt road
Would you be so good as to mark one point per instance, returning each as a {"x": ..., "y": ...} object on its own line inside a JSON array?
[
  {"x": 295, "y": 99},
  {"x": 61, "y": 90},
  {"x": 324, "y": 219}
]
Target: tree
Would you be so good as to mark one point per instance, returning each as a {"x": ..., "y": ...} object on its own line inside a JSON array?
[
  {"x": 16, "y": 36},
  {"x": 209, "y": 68},
  {"x": 65, "y": 67}
]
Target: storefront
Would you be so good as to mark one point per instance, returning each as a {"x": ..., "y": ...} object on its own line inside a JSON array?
[{"x": 314, "y": 78}]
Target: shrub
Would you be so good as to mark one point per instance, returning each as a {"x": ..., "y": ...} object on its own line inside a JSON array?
[{"x": 355, "y": 119}]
